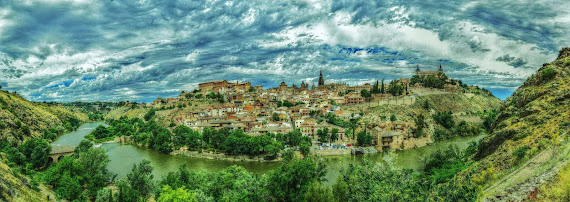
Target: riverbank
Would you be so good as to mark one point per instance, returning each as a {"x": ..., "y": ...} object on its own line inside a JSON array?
[
  {"x": 222, "y": 156},
  {"x": 204, "y": 155}
]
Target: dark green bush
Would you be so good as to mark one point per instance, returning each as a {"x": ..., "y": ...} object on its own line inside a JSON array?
[{"x": 548, "y": 74}]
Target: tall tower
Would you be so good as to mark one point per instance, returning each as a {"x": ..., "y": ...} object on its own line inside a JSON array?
[
  {"x": 321, "y": 79},
  {"x": 418, "y": 69},
  {"x": 440, "y": 69}
]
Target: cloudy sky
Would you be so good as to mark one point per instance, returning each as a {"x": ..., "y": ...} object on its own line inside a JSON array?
[{"x": 139, "y": 50}]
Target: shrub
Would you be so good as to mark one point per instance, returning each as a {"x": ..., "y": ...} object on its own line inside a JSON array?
[
  {"x": 548, "y": 73},
  {"x": 445, "y": 119},
  {"x": 520, "y": 152}
]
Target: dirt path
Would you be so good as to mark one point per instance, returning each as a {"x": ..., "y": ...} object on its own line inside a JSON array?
[{"x": 526, "y": 180}]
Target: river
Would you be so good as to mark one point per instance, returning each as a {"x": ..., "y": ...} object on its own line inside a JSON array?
[{"x": 124, "y": 156}]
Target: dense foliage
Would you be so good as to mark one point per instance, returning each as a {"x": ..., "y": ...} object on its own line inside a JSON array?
[
  {"x": 79, "y": 176},
  {"x": 33, "y": 154},
  {"x": 430, "y": 81},
  {"x": 235, "y": 142},
  {"x": 445, "y": 119},
  {"x": 364, "y": 139},
  {"x": 395, "y": 88}
]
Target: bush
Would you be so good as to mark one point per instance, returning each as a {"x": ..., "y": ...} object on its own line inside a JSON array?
[
  {"x": 445, "y": 119},
  {"x": 393, "y": 118},
  {"x": 520, "y": 152},
  {"x": 548, "y": 74}
]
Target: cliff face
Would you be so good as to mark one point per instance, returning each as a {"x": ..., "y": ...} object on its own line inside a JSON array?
[
  {"x": 17, "y": 114},
  {"x": 537, "y": 111}
]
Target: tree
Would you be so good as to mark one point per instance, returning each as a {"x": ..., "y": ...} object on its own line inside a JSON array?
[
  {"x": 420, "y": 125},
  {"x": 375, "y": 88},
  {"x": 364, "y": 139},
  {"x": 305, "y": 148},
  {"x": 148, "y": 116},
  {"x": 125, "y": 192},
  {"x": 323, "y": 135},
  {"x": 104, "y": 195},
  {"x": 445, "y": 119},
  {"x": 100, "y": 132},
  {"x": 300, "y": 175},
  {"x": 319, "y": 193},
  {"x": 141, "y": 178},
  {"x": 382, "y": 90},
  {"x": 393, "y": 118},
  {"x": 365, "y": 94},
  {"x": 395, "y": 88},
  {"x": 176, "y": 195},
  {"x": 36, "y": 152},
  {"x": 275, "y": 117},
  {"x": 93, "y": 165},
  {"x": 294, "y": 138},
  {"x": 84, "y": 146},
  {"x": 334, "y": 134}
]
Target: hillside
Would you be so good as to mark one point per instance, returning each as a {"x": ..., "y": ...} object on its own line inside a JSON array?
[
  {"x": 15, "y": 187},
  {"x": 529, "y": 139},
  {"x": 21, "y": 119},
  {"x": 464, "y": 107}
]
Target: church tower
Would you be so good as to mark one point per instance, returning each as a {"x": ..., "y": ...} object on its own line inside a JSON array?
[
  {"x": 418, "y": 69},
  {"x": 440, "y": 69},
  {"x": 321, "y": 79}
]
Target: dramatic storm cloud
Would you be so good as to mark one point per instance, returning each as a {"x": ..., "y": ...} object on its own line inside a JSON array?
[{"x": 139, "y": 50}]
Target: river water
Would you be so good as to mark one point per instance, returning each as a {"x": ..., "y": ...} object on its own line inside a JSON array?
[{"x": 124, "y": 156}]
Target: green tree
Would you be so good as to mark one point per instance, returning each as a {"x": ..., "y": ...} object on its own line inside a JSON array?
[
  {"x": 275, "y": 117},
  {"x": 547, "y": 73},
  {"x": 176, "y": 195},
  {"x": 393, "y": 118},
  {"x": 294, "y": 138},
  {"x": 36, "y": 152},
  {"x": 382, "y": 89},
  {"x": 420, "y": 125},
  {"x": 323, "y": 135},
  {"x": 375, "y": 88},
  {"x": 445, "y": 119},
  {"x": 141, "y": 178},
  {"x": 334, "y": 135},
  {"x": 83, "y": 146},
  {"x": 148, "y": 116},
  {"x": 125, "y": 192},
  {"x": 319, "y": 193},
  {"x": 104, "y": 195},
  {"x": 364, "y": 139},
  {"x": 300, "y": 173},
  {"x": 305, "y": 148},
  {"x": 365, "y": 94}
]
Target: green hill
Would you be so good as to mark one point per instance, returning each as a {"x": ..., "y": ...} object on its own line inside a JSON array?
[
  {"x": 534, "y": 119},
  {"x": 21, "y": 119}
]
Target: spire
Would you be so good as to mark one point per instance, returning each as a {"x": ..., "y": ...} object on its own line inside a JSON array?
[
  {"x": 440, "y": 69},
  {"x": 417, "y": 68},
  {"x": 321, "y": 79}
]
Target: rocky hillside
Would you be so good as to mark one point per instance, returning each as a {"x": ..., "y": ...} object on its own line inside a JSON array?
[
  {"x": 21, "y": 119},
  {"x": 536, "y": 111},
  {"x": 535, "y": 118},
  {"x": 15, "y": 187}
]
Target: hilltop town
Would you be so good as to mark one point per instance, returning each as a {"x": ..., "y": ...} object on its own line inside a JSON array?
[{"x": 387, "y": 112}]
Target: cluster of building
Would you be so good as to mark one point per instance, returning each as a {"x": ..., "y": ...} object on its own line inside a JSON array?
[{"x": 257, "y": 111}]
